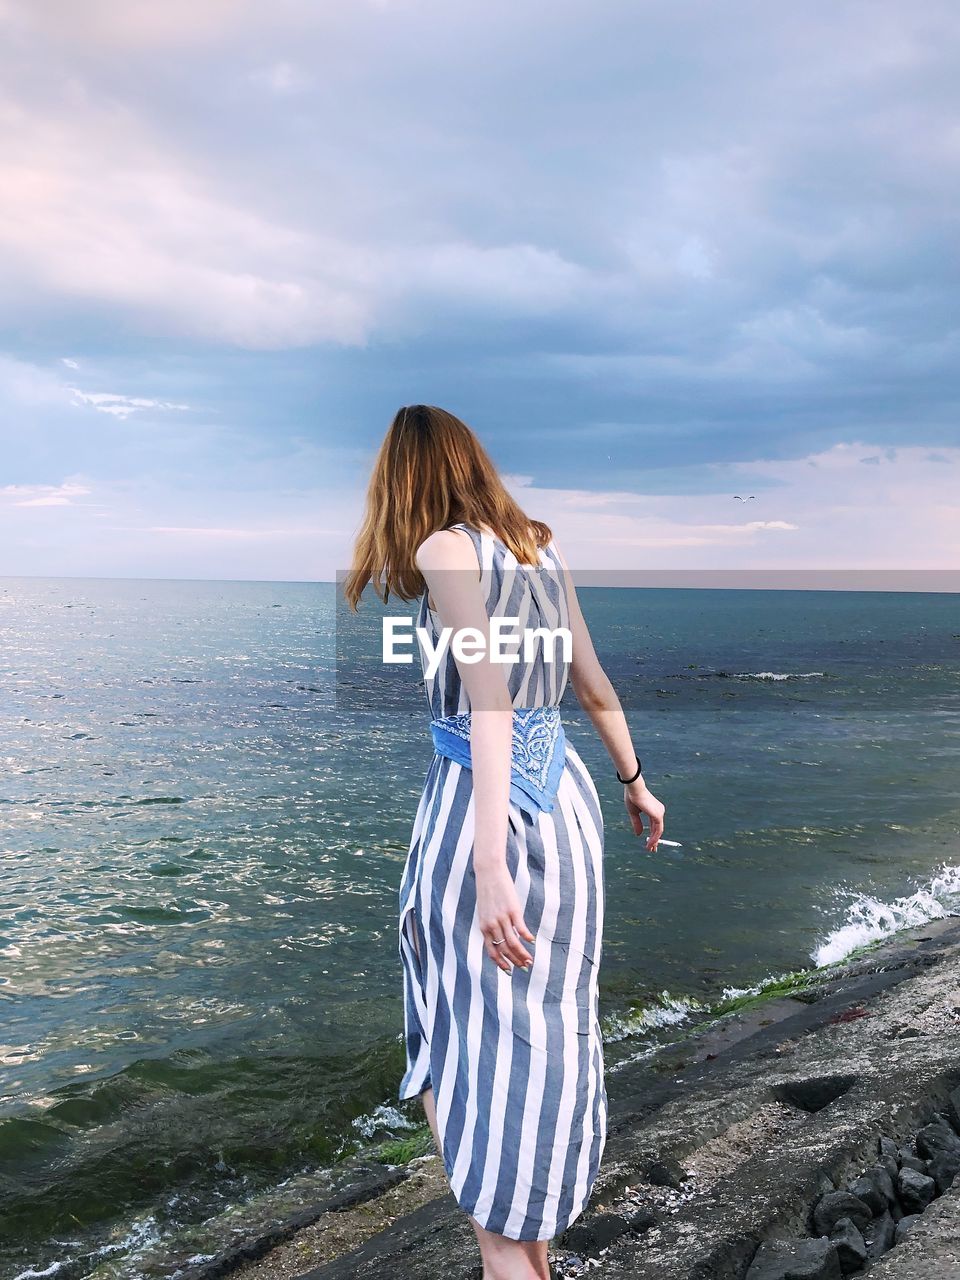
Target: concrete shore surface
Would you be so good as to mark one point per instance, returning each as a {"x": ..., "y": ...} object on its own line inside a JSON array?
[{"x": 716, "y": 1144}]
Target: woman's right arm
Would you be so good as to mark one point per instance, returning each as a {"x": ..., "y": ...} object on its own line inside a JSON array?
[
  {"x": 449, "y": 566},
  {"x": 599, "y": 700}
]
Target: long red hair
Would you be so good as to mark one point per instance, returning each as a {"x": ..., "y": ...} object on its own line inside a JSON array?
[{"x": 431, "y": 472}]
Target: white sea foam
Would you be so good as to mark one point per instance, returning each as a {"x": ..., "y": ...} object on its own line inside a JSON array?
[
  {"x": 647, "y": 1051},
  {"x": 869, "y": 919},
  {"x": 667, "y": 1012},
  {"x": 734, "y": 993},
  {"x": 139, "y": 1235},
  {"x": 384, "y": 1116},
  {"x": 778, "y": 675}
]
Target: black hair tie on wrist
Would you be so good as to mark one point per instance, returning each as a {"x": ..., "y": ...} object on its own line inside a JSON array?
[{"x": 627, "y": 781}]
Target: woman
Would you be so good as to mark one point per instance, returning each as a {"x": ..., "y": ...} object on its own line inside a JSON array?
[{"x": 502, "y": 898}]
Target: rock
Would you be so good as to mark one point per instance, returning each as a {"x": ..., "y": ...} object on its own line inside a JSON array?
[
  {"x": 875, "y": 1189},
  {"x": 953, "y": 1108},
  {"x": 889, "y": 1157},
  {"x": 943, "y": 1169},
  {"x": 913, "y": 1162},
  {"x": 815, "y": 1266},
  {"x": 590, "y": 1235},
  {"x": 851, "y": 1247},
  {"x": 824, "y": 1185},
  {"x": 885, "y": 1181},
  {"x": 640, "y": 1219},
  {"x": 904, "y": 1225},
  {"x": 937, "y": 1137},
  {"x": 835, "y": 1205},
  {"x": 666, "y": 1172},
  {"x": 867, "y": 1191},
  {"x": 887, "y": 1149},
  {"x": 916, "y": 1190},
  {"x": 796, "y": 1260},
  {"x": 879, "y": 1236},
  {"x": 870, "y": 1194}
]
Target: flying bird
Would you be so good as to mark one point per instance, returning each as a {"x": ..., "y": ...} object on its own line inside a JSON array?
[{"x": 737, "y": 498}]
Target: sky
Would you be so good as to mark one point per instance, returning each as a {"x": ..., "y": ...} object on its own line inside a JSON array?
[{"x": 662, "y": 257}]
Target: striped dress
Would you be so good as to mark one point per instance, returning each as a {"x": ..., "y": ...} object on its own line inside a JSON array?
[{"x": 515, "y": 1060}]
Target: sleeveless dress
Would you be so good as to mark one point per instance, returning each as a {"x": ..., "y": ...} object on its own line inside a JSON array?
[{"x": 515, "y": 1060}]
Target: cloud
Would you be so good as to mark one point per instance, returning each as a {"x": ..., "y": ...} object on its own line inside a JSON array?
[
  {"x": 281, "y": 77},
  {"x": 27, "y": 386},
  {"x": 157, "y": 528},
  {"x": 121, "y": 406},
  {"x": 203, "y": 531},
  {"x": 650, "y": 253},
  {"x": 136, "y": 23},
  {"x": 99, "y": 210},
  {"x": 737, "y": 239},
  {"x": 902, "y": 514},
  {"x": 42, "y": 495}
]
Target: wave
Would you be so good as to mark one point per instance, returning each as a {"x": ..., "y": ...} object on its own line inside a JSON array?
[
  {"x": 151, "y": 1159},
  {"x": 139, "y": 1235},
  {"x": 750, "y": 675},
  {"x": 869, "y": 919},
  {"x": 668, "y": 1011},
  {"x": 383, "y": 1117},
  {"x": 777, "y": 675}
]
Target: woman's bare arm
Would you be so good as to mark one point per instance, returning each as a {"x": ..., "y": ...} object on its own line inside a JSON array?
[
  {"x": 599, "y": 700},
  {"x": 448, "y": 562}
]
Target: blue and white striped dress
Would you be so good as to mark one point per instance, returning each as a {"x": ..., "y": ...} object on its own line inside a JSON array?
[{"x": 515, "y": 1060}]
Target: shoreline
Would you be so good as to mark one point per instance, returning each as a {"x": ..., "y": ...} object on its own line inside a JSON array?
[
  {"x": 700, "y": 1097},
  {"x": 323, "y": 1211}
]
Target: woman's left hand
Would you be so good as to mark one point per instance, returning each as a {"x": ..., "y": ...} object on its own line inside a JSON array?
[{"x": 639, "y": 801}]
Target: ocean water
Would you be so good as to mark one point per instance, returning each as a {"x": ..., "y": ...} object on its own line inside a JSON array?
[{"x": 201, "y": 847}]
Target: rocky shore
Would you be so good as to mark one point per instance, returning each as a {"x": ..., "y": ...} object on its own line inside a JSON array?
[{"x": 812, "y": 1134}]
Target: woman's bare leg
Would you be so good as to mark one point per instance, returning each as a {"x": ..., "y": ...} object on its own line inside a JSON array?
[{"x": 503, "y": 1259}]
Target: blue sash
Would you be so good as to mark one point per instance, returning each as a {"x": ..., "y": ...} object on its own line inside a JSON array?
[{"x": 538, "y": 753}]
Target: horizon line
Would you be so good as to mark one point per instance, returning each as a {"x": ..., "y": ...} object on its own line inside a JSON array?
[{"x": 920, "y": 581}]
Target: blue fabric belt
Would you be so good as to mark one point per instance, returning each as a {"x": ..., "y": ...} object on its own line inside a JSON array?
[{"x": 538, "y": 753}]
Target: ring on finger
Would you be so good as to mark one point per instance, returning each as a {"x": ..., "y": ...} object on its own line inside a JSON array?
[{"x": 498, "y": 941}]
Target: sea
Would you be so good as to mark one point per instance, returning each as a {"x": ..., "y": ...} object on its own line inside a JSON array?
[{"x": 202, "y": 835}]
